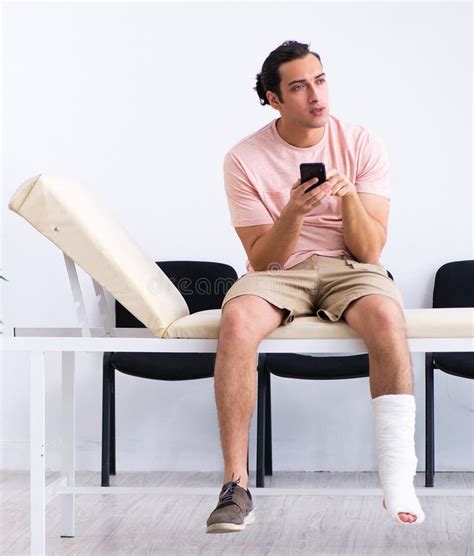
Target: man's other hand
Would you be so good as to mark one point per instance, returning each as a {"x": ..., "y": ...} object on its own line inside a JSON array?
[{"x": 339, "y": 184}]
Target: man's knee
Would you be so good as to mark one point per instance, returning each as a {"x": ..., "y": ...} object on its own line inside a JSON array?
[
  {"x": 247, "y": 319},
  {"x": 376, "y": 314}
]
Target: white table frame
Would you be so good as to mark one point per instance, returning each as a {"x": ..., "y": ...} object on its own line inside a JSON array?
[{"x": 69, "y": 342}]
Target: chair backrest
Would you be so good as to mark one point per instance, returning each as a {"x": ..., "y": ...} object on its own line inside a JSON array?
[
  {"x": 202, "y": 284},
  {"x": 77, "y": 222},
  {"x": 454, "y": 285}
]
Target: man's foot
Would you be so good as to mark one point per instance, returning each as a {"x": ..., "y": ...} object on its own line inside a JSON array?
[
  {"x": 234, "y": 510},
  {"x": 406, "y": 518}
]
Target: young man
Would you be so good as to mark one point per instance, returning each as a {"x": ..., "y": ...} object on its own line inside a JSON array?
[{"x": 311, "y": 252}]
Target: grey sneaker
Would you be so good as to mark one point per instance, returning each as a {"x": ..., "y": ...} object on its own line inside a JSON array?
[{"x": 234, "y": 510}]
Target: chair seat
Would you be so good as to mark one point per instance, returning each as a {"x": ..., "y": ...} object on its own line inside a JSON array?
[
  {"x": 291, "y": 365},
  {"x": 421, "y": 323},
  {"x": 457, "y": 364},
  {"x": 165, "y": 366}
]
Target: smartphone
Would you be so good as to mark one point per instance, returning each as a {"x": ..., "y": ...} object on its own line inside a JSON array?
[{"x": 310, "y": 170}]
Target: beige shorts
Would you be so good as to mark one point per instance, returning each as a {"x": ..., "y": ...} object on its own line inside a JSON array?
[{"x": 319, "y": 285}]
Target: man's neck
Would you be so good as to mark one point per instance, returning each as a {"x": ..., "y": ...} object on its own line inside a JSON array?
[{"x": 297, "y": 136}]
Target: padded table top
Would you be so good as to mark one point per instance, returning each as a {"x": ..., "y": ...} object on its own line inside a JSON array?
[
  {"x": 75, "y": 220},
  {"x": 421, "y": 323}
]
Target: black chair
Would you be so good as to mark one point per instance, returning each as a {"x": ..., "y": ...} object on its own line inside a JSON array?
[
  {"x": 203, "y": 285},
  {"x": 453, "y": 287},
  {"x": 291, "y": 365}
]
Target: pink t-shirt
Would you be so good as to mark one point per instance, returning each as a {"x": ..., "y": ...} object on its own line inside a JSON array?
[{"x": 260, "y": 171}]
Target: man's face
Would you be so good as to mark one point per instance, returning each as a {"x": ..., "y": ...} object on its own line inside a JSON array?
[{"x": 303, "y": 90}]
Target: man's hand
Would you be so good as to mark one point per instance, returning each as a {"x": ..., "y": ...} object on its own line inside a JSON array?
[
  {"x": 339, "y": 184},
  {"x": 302, "y": 202}
]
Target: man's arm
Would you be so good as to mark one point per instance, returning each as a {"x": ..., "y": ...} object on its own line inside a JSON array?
[
  {"x": 271, "y": 245},
  {"x": 364, "y": 218},
  {"x": 364, "y": 221}
]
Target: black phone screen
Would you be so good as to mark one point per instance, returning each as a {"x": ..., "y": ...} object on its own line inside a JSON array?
[{"x": 310, "y": 170}]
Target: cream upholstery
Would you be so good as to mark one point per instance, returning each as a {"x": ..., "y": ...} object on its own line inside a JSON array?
[
  {"x": 73, "y": 218},
  {"x": 421, "y": 323}
]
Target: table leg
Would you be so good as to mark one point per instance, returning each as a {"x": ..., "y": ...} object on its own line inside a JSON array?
[
  {"x": 37, "y": 454},
  {"x": 68, "y": 443}
]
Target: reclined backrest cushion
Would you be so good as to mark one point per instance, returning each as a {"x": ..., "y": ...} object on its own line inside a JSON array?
[
  {"x": 75, "y": 220},
  {"x": 203, "y": 284}
]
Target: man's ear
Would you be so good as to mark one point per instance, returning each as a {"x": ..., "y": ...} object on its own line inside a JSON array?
[{"x": 273, "y": 99}]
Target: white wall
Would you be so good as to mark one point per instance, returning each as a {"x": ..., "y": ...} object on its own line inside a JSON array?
[{"x": 141, "y": 102}]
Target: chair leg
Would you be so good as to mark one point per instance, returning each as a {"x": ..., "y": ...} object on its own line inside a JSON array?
[
  {"x": 268, "y": 426},
  {"x": 429, "y": 421},
  {"x": 262, "y": 383},
  {"x": 112, "y": 423},
  {"x": 106, "y": 413}
]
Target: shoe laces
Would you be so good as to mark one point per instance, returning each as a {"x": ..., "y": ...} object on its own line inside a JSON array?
[{"x": 227, "y": 494}]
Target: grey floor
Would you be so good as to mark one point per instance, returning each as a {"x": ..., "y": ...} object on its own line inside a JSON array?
[{"x": 136, "y": 524}]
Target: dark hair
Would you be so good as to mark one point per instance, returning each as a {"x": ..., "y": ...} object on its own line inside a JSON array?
[{"x": 269, "y": 78}]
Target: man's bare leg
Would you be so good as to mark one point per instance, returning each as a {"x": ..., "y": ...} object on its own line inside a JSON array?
[
  {"x": 246, "y": 320},
  {"x": 379, "y": 320}
]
